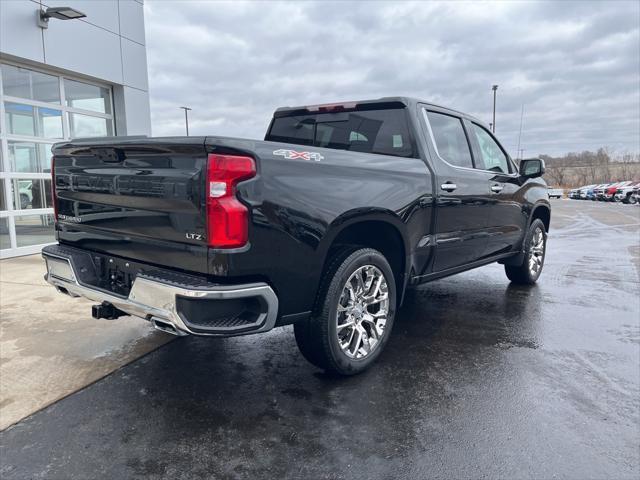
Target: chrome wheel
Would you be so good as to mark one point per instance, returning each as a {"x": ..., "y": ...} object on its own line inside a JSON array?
[
  {"x": 536, "y": 252},
  {"x": 362, "y": 312}
]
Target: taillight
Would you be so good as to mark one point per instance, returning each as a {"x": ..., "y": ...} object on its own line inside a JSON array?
[
  {"x": 54, "y": 196},
  {"x": 227, "y": 217}
]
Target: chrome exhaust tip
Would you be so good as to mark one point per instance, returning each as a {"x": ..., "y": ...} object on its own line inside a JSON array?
[{"x": 166, "y": 327}]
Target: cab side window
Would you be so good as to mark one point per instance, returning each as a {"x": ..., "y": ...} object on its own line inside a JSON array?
[
  {"x": 450, "y": 139},
  {"x": 492, "y": 156}
]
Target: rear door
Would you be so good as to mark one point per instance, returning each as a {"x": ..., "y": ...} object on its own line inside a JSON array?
[
  {"x": 462, "y": 192},
  {"x": 507, "y": 220}
]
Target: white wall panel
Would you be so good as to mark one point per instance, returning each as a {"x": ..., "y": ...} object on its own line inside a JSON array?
[
  {"x": 103, "y": 13},
  {"x": 19, "y": 31},
  {"x": 132, "y": 20},
  {"x": 134, "y": 64},
  {"x": 83, "y": 48}
]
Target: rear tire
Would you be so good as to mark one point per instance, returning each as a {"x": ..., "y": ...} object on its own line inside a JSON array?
[
  {"x": 535, "y": 247},
  {"x": 354, "y": 313}
]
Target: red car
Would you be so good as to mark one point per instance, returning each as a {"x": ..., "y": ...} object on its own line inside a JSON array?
[{"x": 611, "y": 190}]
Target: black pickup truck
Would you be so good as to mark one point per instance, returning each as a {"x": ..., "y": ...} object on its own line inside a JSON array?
[{"x": 324, "y": 224}]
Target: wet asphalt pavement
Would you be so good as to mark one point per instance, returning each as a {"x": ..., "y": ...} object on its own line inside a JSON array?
[{"x": 480, "y": 380}]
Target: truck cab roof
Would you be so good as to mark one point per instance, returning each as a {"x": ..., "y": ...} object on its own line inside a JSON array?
[{"x": 408, "y": 102}]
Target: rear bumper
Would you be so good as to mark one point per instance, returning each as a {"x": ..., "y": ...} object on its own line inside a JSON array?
[{"x": 172, "y": 302}]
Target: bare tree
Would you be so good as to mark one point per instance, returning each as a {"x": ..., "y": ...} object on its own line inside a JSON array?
[
  {"x": 581, "y": 177},
  {"x": 557, "y": 174},
  {"x": 593, "y": 173},
  {"x": 629, "y": 166},
  {"x": 587, "y": 167}
]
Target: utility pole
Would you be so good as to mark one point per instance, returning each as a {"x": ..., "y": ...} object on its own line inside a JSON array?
[
  {"x": 493, "y": 125},
  {"x": 186, "y": 118}
]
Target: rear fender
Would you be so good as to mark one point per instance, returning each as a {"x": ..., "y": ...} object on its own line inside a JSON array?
[{"x": 362, "y": 215}]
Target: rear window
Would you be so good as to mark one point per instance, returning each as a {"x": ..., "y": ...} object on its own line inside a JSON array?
[
  {"x": 450, "y": 139},
  {"x": 384, "y": 131}
]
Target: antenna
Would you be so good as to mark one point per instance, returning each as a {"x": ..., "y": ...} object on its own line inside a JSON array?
[{"x": 520, "y": 134}]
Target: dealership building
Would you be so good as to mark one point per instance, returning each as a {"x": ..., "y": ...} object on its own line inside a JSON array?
[{"x": 69, "y": 69}]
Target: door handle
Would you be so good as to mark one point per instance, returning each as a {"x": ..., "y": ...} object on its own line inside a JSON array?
[
  {"x": 496, "y": 188},
  {"x": 448, "y": 187}
]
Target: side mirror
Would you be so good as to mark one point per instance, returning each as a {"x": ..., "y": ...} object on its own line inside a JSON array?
[{"x": 532, "y": 168}]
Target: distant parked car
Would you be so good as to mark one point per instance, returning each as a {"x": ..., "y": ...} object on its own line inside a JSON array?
[
  {"x": 574, "y": 193},
  {"x": 624, "y": 192},
  {"x": 606, "y": 192},
  {"x": 610, "y": 193},
  {"x": 599, "y": 191},
  {"x": 579, "y": 193},
  {"x": 591, "y": 192},
  {"x": 583, "y": 191},
  {"x": 628, "y": 193},
  {"x": 555, "y": 192}
]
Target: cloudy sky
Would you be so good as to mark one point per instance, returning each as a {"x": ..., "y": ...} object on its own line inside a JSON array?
[{"x": 574, "y": 65}]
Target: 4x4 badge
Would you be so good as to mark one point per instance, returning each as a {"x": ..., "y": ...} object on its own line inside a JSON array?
[{"x": 292, "y": 155}]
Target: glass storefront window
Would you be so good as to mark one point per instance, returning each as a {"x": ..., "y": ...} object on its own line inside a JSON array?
[
  {"x": 86, "y": 126},
  {"x": 29, "y": 193},
  {"x": 34, "y": 230},
  {"x": 29, "y": 157},
  {"x": 5, "y": 241},
  {"x": 87, "y": 97},
  {"x": 25, "y": 83},
  {"x": 39, "y": 110},
  {"x": 33, "y": 121}
]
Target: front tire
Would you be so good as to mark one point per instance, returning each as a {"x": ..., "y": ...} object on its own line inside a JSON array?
[
  {"x": 354, "y": 313},
  {"x": 535, "y": 247}
]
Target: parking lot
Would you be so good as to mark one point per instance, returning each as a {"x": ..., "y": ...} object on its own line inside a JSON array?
[{"x": 480, "y": 379}]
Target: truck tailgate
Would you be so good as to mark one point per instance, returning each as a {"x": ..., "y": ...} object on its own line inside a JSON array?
[{"x": 134, "y": 198}]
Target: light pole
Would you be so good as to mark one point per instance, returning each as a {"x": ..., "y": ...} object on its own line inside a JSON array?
[
  {"x": 186, "y": 118},
  {"x": 493, "y": 125}
]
